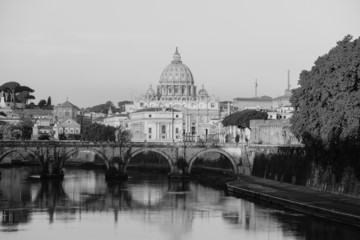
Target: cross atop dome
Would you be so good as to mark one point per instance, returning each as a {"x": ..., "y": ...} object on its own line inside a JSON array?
[{"x": 176, "y": 57}]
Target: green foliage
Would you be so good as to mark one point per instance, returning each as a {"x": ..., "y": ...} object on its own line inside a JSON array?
[
  {"x": 328, "y": 99},
  {"x": 26, "y": 126},
  {"x": 99, "y": 133},
  {"x": 14, "y": 91},
  {"x": 24, "y": 96},
  {"x": 49, "y": 101},
  {"x": 327, "y": 109},
  {"x": 242, "y": 118},
  {"x": 42, "y": 103}
]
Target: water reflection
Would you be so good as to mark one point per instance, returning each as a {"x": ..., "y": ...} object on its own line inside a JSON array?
[{"x": 146, "y": 206}]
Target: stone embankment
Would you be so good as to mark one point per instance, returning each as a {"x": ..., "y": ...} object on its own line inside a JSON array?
[{"x": 334, "y": 207}]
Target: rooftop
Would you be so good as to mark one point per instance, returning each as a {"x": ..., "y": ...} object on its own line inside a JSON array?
[
  {"x": 157, "y": 109},
  {"x": 256, "y": 99}
]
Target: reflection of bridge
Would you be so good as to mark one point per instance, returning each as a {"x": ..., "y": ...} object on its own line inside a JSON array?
[
  {"x": 65, "y": 197},
  {"x": 49, "y": 152}
]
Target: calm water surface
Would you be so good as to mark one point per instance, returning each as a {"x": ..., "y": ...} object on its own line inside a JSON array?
[{"x": 84, "y": 206}]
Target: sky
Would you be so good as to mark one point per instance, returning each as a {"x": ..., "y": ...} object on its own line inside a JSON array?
[{"x": 92, "y": 51}]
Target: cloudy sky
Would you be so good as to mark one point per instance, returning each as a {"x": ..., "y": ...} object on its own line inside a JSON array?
[{"x": 92, "y": 51}]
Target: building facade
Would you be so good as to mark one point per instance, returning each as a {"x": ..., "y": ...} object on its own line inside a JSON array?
[
  {"x": 117, "y": 120},
  {"x": 258, "y": 103},
  {"x": 64, "y": 111},
  {"x": 272, "y": 132},
  {"x": 68, "y": 127},
  {"x": 156, "y": 125}
]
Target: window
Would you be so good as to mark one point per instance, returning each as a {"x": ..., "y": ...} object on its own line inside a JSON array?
[
  {"x": 163, "y": 129},
  {"x": 177, "y": 130},
  {"x": 176, "y": 115},
  {"x": 212, "y": 105},
  {"x": 149, "y": 115},
  {"x": 149, "y": 136},
  {"x": 71, "y": 130},
  {"x": 149, "y": 131},
  {"x": 69, "y": 121},
  {"x": 60, "y": 130},
  {"x": 67, "y": 113},
  {"x": 77, "y": 130},
  {"x": 66, "y": 130}
]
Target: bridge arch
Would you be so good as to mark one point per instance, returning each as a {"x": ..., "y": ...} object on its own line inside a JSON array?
[
  {"x": 95, "y": 151},
  {"x": 19, "y": 151},
  {"x": 227, "y": 155},
  {"x": 146, "y": 149}
]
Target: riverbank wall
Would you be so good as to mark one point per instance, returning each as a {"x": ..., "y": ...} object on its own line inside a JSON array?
[
  {"x": 301, "y": 167},
  {"x": 332, "y": 207}
]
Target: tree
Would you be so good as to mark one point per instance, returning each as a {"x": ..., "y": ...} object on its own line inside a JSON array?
[
  {"x": 24, "y": 96},
  {"x": 327, "y": 102},
  {"x": 26, "y": 126},
  {"x": 9, "y": 88},
  {"x": 13, "y": 89},
  {"x": 242, "y": 118},
  {"x": 122, "y": 136},
  {"x": 49, "y": 101},
  {"x": 42, "y": 103},
  {"x": 98, "y": 132}
]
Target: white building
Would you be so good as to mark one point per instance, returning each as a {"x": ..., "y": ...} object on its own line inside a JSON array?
[
  {"x": 281, "y": 113},
  {"x": 177, "y": 90},
  {"x": 116, "y": 120},
  {"x": 156, "y": 125}
]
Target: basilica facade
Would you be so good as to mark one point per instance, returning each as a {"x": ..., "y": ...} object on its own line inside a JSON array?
[{"x": 177, "y": 90}]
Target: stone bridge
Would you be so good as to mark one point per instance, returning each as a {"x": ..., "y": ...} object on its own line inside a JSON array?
[{"x": 53, "y": 154}]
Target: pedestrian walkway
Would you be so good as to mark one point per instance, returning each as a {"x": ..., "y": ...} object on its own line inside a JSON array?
[{"x": 340, "y": 208}]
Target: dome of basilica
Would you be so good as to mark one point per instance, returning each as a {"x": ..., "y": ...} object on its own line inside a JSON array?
[{"x": 176, "y": 73}]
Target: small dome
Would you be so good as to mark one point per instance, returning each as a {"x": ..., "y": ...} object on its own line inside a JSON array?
[
  {"x": 150, "y": 92},
  {"x": 176, "y": 72},
  {"x": 203, "y": 92}
]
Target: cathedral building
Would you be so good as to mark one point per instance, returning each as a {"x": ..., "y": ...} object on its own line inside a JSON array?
[{"x": 177, "y": 90}]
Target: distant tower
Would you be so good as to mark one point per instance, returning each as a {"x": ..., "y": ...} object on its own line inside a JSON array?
[
  {"x": 256, "y": 86},
  {"x": 288, "y": 91},
  {"x": 288, "y": 80}
]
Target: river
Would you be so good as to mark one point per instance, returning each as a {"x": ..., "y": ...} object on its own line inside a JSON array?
[{"x": 146, "y": 206}]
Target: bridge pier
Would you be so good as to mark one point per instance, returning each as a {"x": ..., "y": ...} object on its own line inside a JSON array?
[
  {"x": 112, "y": 174},
  {"x": 180, "y": 170},
  {"x": 51, "y": 160},
  {"x": 116, "y": 171},
  {"x": 51, "y": 170}
]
